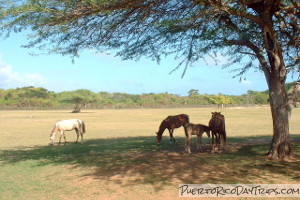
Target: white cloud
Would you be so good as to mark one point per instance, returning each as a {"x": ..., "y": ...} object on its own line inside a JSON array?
[
  {"x": 11, "y": 79},
  {"x": 246, "y": 82}
]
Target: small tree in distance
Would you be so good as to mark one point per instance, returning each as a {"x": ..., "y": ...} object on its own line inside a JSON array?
[
  {"x": 80, "y": 98},
  {"x": 262, "y": 30}
]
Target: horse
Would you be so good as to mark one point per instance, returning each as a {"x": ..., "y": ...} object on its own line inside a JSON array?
[
  {"x": 170, "y": 123},
  {"x": 217, "y": 127},
  {"x": 195, "y": 129},
  {"x": 68, "y": 125}
]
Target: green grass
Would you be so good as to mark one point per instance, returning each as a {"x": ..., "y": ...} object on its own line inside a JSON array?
[{"x": 120, "y": 158}]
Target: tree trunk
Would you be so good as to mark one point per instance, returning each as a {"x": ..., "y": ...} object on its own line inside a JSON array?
[
  {"x": 280, "y": 147},
  {"x": 76, "y": 108}
]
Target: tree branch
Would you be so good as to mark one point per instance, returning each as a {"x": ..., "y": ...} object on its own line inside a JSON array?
[{"x": 258, "y": 53}]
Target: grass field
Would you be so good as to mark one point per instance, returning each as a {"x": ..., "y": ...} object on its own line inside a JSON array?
[{"x": 120, "y": 159}]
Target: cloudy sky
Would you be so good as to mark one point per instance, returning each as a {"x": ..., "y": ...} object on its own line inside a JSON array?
[{"x": 104, "y": 72}]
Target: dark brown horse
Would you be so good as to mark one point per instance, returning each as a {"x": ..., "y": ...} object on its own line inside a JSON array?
[
  {"x": 217, "y": 127},
  {"x": 195, "y": 129},
  {"x": 170, "y": 123}
]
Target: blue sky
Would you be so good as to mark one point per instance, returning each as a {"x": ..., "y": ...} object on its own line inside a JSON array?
[{"x": 106, "y": 73}]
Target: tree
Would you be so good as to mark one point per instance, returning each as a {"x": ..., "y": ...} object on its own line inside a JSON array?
[
  {"x": 257, "y": 97},
  {"x": 193, "y": 92},
  {"x": 80, "y": 98},
  {"x": 262, "y": 30}
]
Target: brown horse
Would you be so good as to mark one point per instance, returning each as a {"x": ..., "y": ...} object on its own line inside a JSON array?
[
  {"x": 170, "y": 123},
  {"x": 195, "y": 129},
  {"x": 217, "y": 127}
]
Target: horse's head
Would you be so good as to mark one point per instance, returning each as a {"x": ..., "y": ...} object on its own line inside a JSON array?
[
  {"x": 52, "y": 135},
  {"x": 158, "y": 138},
  {"x": 214, "y": 114},
  {"x": 207, "y": 131},
  {"x": 217, "y": 116}
]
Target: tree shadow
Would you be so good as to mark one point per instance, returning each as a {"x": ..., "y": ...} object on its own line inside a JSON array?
[{"x": 139, "y": 160}]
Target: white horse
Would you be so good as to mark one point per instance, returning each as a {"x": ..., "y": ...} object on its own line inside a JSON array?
[{"x": 68, "y": 125}]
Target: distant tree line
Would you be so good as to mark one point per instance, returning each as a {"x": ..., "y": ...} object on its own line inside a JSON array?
[{"x": 41, "y": 98}]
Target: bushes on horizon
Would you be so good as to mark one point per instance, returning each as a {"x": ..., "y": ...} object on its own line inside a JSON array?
[{"x": 32, "y": 97}]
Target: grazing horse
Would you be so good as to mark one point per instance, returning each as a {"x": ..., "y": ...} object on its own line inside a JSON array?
[
  {"x": 170, "y": 123},
  {"x": 195, "y": 129},
  {"x": 68, "y": 125},
  {"x": 217, "y": 127}
]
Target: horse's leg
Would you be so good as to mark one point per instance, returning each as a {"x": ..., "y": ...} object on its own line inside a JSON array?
[
  {"x": 219, "y": 141},
  {"x": 187, "y": 143},
  {"x": 61, "y": 133},
  {"x": 171, "y": 135},
  {"x": 64, "y": 137},
  {"x": 80, "y": 130},
  {"x": 224, "y": 139},
  {"x": 212, "y": 142},
  {"x": 81, "y": 134},
  {"x": 77, "y": 133}
]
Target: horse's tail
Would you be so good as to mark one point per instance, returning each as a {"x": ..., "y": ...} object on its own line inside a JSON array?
[
  {"x": 83, "y": 126},
  {"x": 224, "y": 135}
]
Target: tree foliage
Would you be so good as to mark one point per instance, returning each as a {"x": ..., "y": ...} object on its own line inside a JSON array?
[
  {"x": 79, "y": 98},
  {"x": 263, "y": 30},
  {"x": 37, "y": 98},
  {"x": 27, "y": 97},
  {"x": 155, "y": 28}
]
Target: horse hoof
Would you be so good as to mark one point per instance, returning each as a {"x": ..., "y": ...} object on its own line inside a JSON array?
[{"x": 188, "y": 151}]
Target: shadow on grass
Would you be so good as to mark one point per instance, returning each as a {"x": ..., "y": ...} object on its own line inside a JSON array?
[{"x": 138, "y": 160}]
